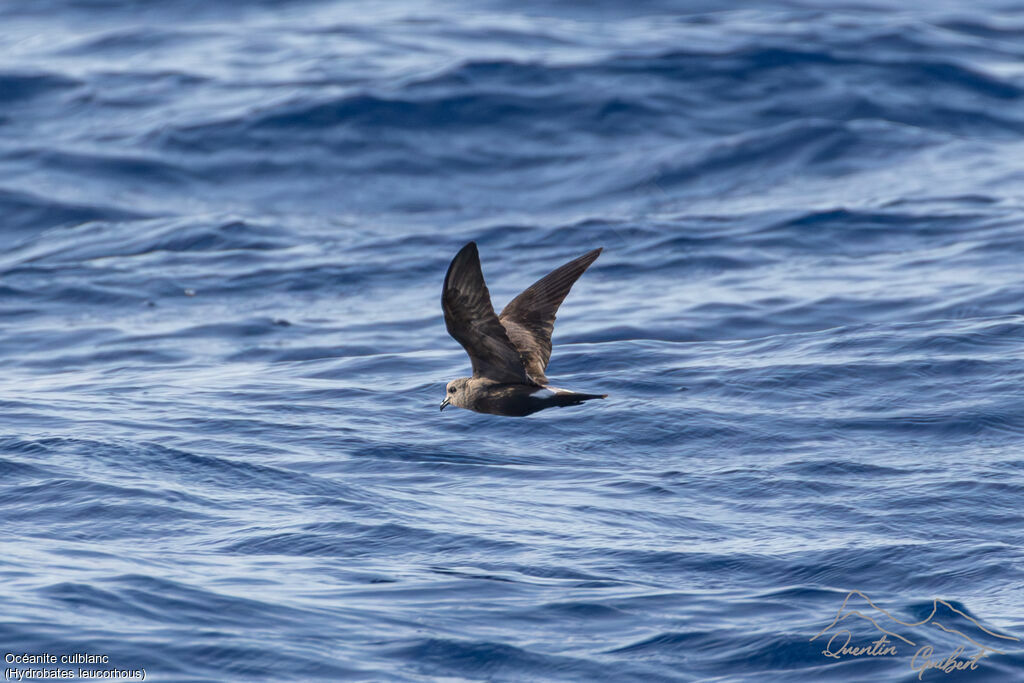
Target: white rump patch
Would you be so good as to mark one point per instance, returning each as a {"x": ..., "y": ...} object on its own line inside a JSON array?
[{"x": 545, "y": 392}]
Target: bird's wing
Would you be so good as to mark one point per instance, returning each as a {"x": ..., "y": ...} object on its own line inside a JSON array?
[
  {"x": 534, "y": 310},
  {"x": 470, "y": 319}
]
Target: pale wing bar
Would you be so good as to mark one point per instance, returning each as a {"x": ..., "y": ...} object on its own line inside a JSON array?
[{"x": 534, "y": 310}]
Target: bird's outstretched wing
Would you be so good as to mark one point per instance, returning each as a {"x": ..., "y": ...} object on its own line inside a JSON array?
[
  {"x": 530, "y": 317},
  {"x": 470, "y": 319}
]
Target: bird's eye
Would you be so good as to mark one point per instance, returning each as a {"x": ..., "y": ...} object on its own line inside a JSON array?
[{"x": 451, "y": 390}]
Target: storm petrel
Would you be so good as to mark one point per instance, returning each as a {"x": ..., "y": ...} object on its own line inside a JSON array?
[{"x": 509, "y": 351}]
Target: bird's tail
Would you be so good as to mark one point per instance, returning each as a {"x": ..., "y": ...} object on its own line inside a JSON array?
[{"x": 564, "y": 398}]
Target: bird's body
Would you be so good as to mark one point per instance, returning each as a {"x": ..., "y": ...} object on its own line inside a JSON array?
[
  {"x": 510, "y": 351},
  {"x": 514, "y": 400}
]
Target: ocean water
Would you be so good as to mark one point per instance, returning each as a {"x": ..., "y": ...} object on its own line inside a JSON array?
[{"x": 224, "y": 230}]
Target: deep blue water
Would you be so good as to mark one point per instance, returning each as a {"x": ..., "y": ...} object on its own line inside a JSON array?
[{"x": 224, "y": 230}]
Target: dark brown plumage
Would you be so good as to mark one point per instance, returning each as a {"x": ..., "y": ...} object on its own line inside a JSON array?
[{"x": 509, "y": 352}]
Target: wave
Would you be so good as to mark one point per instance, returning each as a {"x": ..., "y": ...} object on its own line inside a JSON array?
[{"x": 227, "y": 226}]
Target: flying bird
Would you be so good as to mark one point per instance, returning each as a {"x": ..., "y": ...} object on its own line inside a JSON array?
[{"x": 509, "y": 351}]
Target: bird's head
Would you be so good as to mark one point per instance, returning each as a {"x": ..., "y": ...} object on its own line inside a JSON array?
[{"x": 455, "y": 393}]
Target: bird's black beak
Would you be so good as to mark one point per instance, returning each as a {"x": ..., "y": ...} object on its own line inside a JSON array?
[{"x": 444, "y": 403}]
